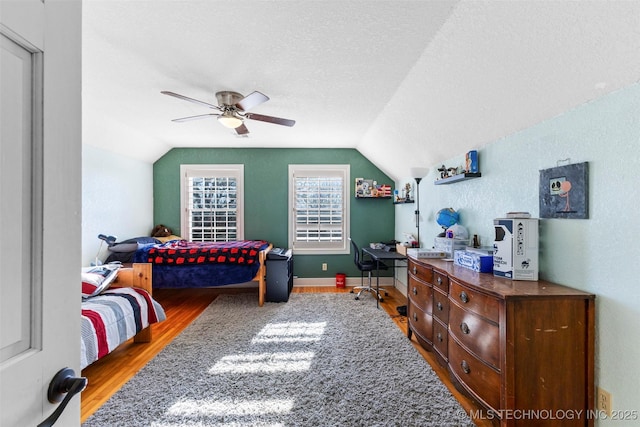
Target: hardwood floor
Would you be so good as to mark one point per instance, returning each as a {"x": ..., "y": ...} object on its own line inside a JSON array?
[{"x": 182, "y": 306}]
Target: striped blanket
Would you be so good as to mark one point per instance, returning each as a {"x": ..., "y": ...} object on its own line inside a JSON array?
[{"x": 114, "y": 317}]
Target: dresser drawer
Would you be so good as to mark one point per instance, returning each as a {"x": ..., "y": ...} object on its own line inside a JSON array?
[
  {"x": 440, "y": 338},
  {"x": 420, "y": 294},
  {"x": 479, "y": 378},
  {"x": 422, "y": 272},
  {"x": 420, "y": 322},
  {"x": 477, "y": 334},
  {"x": 476, "y": 302},
  {"x": 441, "y": 281},
  {"x": 441, "y": 306}
]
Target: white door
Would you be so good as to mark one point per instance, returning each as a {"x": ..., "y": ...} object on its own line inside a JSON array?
[{"x": 40, "y": 194}]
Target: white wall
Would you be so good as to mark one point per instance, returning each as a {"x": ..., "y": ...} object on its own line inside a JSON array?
[
  {"x": 600, "y": 254},
  {"x": 117, "y": 199}
]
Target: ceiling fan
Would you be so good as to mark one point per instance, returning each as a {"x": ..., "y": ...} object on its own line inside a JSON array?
[{"x": 233, "y": 110}]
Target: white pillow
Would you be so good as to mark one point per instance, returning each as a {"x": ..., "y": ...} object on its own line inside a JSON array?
[{"x": 98, "y": 279}]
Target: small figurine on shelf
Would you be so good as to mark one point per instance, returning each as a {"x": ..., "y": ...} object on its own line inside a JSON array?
[
  {"x": 407, "y": 192},
  {"x": 443, "y": 172},
  {"x": 366, "y": 188}
]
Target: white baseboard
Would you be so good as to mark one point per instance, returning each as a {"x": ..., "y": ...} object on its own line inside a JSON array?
[
  {"x": 331, "y": 281},
  {"x": 325, "y": 282}
]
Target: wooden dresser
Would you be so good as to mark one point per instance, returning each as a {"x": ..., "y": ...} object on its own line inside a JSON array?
[{"x": 524, "y": 350}]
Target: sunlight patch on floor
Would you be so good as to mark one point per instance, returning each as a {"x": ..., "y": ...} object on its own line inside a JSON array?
[
  {"x": 290, "y": 332},
  {"x": 200, "y": 424},
  {"x": 264, "y": 362},
  {"x": 229, "y": 407}
]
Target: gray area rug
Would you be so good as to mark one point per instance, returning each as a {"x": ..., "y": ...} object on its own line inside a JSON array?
[{"x": 316, "y": 360}]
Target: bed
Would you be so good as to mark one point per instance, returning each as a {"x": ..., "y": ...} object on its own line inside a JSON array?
[
  {"x": 185, "y": 264},
  {"x": 123, "y": 311}
]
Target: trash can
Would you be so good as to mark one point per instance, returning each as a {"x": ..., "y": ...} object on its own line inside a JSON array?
[
  {"x": 279, "y": 275},
  {"x": 341, "y": 280}
]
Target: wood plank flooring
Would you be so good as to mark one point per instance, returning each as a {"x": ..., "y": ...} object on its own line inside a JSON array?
[{"x": 182, "y": 306}]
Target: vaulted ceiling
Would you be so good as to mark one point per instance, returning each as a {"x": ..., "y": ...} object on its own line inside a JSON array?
[{"x": 407, "y": 83}]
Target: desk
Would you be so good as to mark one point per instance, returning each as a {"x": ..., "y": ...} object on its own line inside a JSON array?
[{"x": 381, "y": 255}]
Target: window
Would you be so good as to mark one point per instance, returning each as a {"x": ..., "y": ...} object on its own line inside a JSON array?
[
  {"x": 212, "y": 202},
  {"x": 319, "y": 208}
]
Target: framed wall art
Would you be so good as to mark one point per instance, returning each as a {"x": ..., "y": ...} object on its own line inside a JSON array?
[{"x": 564, "y": 191}]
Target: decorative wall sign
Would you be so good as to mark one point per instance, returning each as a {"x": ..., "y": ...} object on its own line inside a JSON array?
[{"x": 564, "y": 191}]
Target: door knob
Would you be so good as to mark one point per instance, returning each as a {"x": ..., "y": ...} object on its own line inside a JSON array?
[{"x": 64, "y": 382}]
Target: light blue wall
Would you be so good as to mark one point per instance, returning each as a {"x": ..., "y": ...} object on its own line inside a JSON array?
[
  {"x": 117, "y": 199},
  {"x": 601, "y": 254}
]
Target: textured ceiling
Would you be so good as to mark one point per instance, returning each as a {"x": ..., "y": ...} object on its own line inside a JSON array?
[{"x": 407, "y": 83}]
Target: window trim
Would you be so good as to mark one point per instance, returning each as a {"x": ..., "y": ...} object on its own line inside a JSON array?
[
  {"x": 210, "y": 171},
  {"x": 344, "y": 170}
]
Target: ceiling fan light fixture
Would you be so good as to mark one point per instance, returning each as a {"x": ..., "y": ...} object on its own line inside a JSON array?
[
  {"x": 233, "y": 110},
  {"x": 229, "y": 120}
]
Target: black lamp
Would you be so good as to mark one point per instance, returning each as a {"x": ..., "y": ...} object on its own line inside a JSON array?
[
  {"x": 104, "y": 238},
  {"x": 418, "y": 174}
]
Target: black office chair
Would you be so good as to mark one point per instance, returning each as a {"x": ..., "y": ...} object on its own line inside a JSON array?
[{"x": 368, "y": 266}]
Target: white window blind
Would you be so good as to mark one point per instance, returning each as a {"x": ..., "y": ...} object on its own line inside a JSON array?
[
  {"x": 319, "y": 208},
  {"x": 212, "y": 198}
]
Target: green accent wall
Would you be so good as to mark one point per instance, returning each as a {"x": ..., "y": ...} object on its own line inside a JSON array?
[{"x": 266, "y": 197}]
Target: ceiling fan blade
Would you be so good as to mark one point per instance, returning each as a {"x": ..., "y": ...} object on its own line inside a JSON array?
[
  {"x": 198, "y": 117},
  {"x": 242, "y": 130},
  {"x": 270, "y": 119},
  {"x": 186, "y": 98},
  {"x": 253, "y": 99}
]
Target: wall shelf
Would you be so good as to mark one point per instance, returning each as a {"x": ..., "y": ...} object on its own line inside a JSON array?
[
  {"x": 373, "y": 197},
  {"x": 403, "y": 202},
  {"x": 457, "y": 178},
  {"x": 369, "y": 189}
]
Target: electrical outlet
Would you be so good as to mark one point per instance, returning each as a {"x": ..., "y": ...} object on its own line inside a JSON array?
[
  {"x": 603, "y": 401},
  {"x": 324, "y": 266}
]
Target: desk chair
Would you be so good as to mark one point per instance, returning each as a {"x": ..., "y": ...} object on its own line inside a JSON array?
[{"x": 368, "y": 266}]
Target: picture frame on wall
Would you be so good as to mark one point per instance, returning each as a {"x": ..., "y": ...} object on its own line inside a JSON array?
[{"x": 564, "y": 191}]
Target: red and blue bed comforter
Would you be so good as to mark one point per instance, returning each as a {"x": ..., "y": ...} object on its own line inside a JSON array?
[
  {"x": 182, "y": 252},
  {"x": 113, "y": 317},
  {"x": 185, "y": 264}
]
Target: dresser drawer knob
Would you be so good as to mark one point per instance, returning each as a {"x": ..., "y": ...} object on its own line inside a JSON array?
[
  {"x": 439, "y": 336},
  {"x": 439, "y": 280},
  {"x": 465, "y": 367},
  {"x": 415, "y": 270},
  {"x": 465, "y": 328},
  {"x": 415, "y": 317},
  {"x": 439, "y": 306},
  {"x": 414, "y": 290},
  {"x": 464, "y": 297}
]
